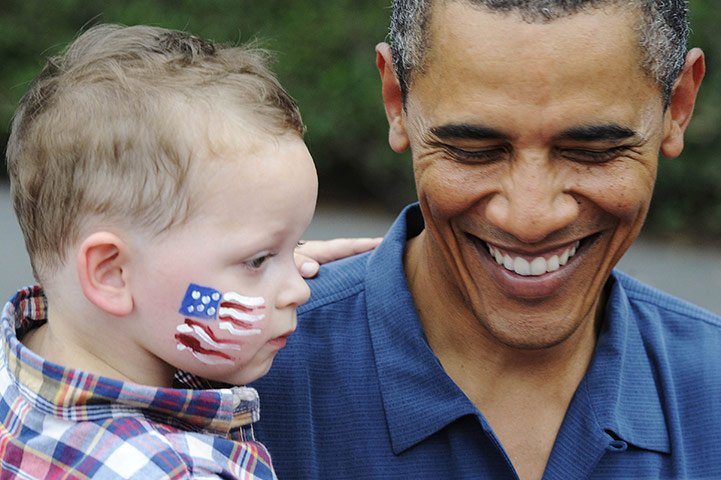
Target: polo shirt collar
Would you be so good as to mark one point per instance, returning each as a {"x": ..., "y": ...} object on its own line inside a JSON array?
[
  {"x": 418, "y": 396},
  {"x": 621, "y": 381},
  {"x": 617, "y": 403}
]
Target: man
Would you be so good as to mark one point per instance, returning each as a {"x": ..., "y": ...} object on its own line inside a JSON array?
[{"x": 488, "y": 335}]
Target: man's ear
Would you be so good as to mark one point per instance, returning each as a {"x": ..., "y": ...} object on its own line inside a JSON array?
[
  {"x": 102, "y": 263},
  {"x": 683, "y": 99},
  {"x": 392, "y": 99}
]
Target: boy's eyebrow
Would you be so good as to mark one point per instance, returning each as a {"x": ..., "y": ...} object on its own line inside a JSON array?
[
  {"x": 467, "y": 131},
  {"x": 595, "y": 133}
]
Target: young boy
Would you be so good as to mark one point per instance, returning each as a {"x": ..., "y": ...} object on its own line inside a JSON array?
[{"x": 161, "y": 183}]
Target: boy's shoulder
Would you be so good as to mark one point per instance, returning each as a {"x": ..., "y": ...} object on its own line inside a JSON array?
[
  {"x": 129, "y": 447},
  {"x": 126, "y": 447}
]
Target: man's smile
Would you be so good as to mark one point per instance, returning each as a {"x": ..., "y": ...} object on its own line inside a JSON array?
[
  {"x": 535, "y": 275},
  {"x": 526, "y": 265}
]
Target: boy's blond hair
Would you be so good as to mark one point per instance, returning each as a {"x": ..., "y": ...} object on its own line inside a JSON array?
[{"x": 113, "y": 126}]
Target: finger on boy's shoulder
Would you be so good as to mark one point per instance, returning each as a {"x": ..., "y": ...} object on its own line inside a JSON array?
[{"x": 324, "y": 251}]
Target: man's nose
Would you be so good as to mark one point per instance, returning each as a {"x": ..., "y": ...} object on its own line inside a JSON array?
[{"x": 533, "y": 201}]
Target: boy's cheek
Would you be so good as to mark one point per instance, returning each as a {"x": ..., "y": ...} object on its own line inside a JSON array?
[{"x": 215, "y": 328}]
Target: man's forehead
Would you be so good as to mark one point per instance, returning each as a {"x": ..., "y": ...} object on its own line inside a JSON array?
[
  {"x": 462, "y": 35},
  {"x": 569, "y": 78},
  {"x": 543, "y": 12}
]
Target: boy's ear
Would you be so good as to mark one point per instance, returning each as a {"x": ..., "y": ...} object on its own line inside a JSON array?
[
  {"x": 102, "y": 269},
  {"x": 683, "y": 99},
  {"x": 392, "y": 99}
]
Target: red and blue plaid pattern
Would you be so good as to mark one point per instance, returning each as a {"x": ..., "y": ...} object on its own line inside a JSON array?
[{"x": 63, "y": 423}]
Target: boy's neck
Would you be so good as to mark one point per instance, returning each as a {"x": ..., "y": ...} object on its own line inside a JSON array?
[{"x": 115, "y": 358}]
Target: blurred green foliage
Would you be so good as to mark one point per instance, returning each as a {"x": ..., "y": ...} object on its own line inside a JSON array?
[
  {"x": 687, "y": 200},
  {"x": 326, "y": 59}
]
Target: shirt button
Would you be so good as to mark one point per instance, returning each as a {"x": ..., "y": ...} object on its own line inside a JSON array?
[{"x": 618, "y": 446}]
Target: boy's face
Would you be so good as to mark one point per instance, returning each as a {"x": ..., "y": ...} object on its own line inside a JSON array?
[{"x": 217, "y": 296}]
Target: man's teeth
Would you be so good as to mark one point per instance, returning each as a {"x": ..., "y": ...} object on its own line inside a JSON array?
[{"x": 537, "y": 266}]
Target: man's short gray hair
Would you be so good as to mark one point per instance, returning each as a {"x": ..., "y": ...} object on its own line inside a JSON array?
[{"x": 662, "y": 32}]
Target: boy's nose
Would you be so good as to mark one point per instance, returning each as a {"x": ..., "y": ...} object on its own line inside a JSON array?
[{"x": 294, "y": 291}]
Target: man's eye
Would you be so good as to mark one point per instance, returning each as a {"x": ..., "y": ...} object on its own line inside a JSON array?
[
  {"x": 485, "y": 155},
  {"x": 592, "y": 156},
  {"x": 257, "y": 262}
]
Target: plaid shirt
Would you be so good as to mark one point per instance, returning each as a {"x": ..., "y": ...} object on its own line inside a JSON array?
[{"x": 63, "y": 423}]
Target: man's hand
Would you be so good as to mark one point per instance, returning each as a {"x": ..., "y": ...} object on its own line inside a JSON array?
[{"x": 310, "y": 255}]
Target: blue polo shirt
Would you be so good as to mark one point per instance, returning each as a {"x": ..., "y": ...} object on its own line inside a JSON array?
[{"x": 359, "y": 394}]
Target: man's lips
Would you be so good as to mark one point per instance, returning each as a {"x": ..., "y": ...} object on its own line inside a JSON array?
[
  {"x": 531, "y": 275},
  {"x": 533, "y": 265}
]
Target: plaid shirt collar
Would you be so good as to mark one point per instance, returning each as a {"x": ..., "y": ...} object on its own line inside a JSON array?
[{"x": 76, "y": 395}]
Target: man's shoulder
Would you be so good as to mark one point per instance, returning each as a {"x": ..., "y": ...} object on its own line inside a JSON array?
[
  {"x": 647, "y": 302},
  {"x": 685, "y": 335},
  {"x": 670, "y": 369},
  {"x": 342, "y": 284},
  {"x": 336, "y": 282}
]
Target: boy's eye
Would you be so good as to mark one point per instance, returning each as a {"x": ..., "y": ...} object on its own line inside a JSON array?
[{"x": 257, "y": 262}]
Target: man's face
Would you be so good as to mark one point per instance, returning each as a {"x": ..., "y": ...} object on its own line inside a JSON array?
[{"x": 535, "y": 149}]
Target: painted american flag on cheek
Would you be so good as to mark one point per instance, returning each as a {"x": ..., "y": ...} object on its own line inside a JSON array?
[{"x": 235, "y": 313}]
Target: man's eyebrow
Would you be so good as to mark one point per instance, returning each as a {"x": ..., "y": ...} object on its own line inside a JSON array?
[
  {"x": 595, "y": 133},
  {"x": 466, "y": 131}
]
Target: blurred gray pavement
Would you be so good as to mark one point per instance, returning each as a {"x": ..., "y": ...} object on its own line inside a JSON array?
[{"x": 690, "y": 272}]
